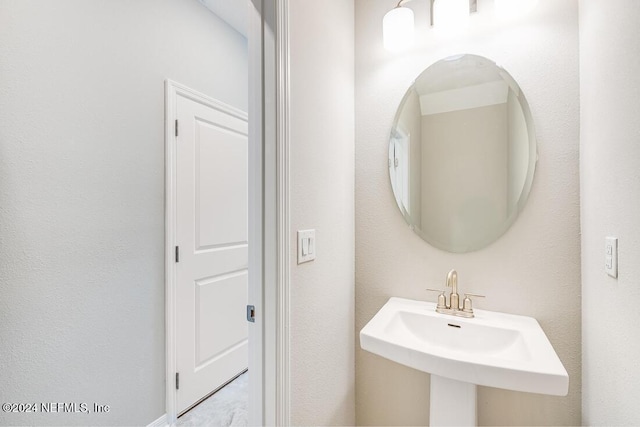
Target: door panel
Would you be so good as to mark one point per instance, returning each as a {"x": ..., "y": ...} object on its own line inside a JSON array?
[
  {"x": 217, "y": 300},
  {"x": 221, "y": 157},
  {"x": 211, "y": 231}
]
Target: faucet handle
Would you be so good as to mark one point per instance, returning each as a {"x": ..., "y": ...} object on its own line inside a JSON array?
[
  {"x": 467, "y": 305},
  {"x": 442, "y": 298},
  {"x": 474, "y": 295}
]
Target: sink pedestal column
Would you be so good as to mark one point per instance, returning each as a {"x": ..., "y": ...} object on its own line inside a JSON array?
[{"x": 453, "y": 403}]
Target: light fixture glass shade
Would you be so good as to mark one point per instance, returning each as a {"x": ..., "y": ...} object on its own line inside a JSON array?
[
  {"x": 450, "y": 15},
  {"x": 398, "y": 29},
  {"x": 514, "y": 8}
]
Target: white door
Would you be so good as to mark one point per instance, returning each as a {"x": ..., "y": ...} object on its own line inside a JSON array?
[{"x": 211, "y": 234}]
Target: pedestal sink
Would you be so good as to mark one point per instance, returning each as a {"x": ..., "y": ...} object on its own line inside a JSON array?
[{"x": 492, "y": 349}]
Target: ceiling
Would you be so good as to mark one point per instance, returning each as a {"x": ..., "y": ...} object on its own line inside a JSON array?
[{"x": 234, "y": 12}]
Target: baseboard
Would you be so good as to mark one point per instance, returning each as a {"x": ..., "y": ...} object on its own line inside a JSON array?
[{"x": 160, "y": 422}]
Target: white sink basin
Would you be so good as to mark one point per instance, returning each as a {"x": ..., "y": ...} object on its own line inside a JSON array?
[{"x": 492, "y": 349}]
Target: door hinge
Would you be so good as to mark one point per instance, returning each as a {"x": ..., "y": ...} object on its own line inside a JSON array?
[
  {"x": 177, "y": 253},
  {"x": 177, "y": 380},
  {"x": 176, "y": 127},
  {"x": 251, "y": 313}
]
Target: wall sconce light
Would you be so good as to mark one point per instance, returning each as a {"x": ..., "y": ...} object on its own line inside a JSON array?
[
  {"x": 398, "y": 28},
  {"x": 514, "y": 8},
  {"x": 451, "y": 15},
  {"x": 447, "y": 16}
]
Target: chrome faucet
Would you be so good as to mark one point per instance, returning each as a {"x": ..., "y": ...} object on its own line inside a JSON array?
[{"x": 453, "y": 306}]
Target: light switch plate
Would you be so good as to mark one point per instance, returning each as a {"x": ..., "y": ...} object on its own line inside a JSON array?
[
  {"x": 306, "y": 246},
  {"x": 611, "y": 256}
]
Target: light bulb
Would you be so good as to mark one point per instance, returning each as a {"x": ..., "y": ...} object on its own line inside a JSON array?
[
  {"x": 450, "y": 16},
  {"x": 513, "y": 8},
  {"x": 398, "y": 29}
]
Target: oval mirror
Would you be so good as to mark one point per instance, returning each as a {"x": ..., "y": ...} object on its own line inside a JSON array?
[{"x": 462, "y": 153}]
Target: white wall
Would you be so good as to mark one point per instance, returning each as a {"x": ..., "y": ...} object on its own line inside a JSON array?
[
  {"x": 610, "y": 196},
  {"x": 82, "y": 194},
  {"x": 322, "y": 197},
  {"x": 534, "y": 269}
]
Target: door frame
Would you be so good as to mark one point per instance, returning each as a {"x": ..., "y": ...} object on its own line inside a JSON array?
[
  {"x": 269, "y": 126},
  {"x": 269, "y": 248}
]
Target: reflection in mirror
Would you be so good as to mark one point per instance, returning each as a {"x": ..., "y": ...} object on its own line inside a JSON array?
[{"x": 462, "y": 153}]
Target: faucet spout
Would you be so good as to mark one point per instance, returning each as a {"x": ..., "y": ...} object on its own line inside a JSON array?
[{"x": 452, "y": 281}]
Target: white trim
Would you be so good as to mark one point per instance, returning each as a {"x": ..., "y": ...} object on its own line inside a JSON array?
[
  {"x": 160, "y": 422},
  {"x": 169, "y": 238},
  {"x": 256, "y": 215},
  {"x": 269, "y": 178},
  {"x": 283, "y": 411},
  {"x": 172, "y": 91}
]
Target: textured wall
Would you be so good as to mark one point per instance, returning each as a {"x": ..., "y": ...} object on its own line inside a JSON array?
[
  {"x": 82, "y": 194},
  {"x": 610, "y": 195},
  {"x": 534, "y": 269},
  {"x": 322, "y": 197}
]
